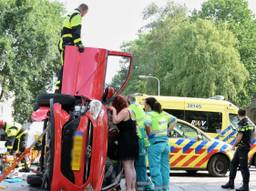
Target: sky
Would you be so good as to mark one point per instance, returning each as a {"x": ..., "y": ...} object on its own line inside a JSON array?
[{"x": 109, "y": 23}]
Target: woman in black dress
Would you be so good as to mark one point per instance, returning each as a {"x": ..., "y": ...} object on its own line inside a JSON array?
[{"x": 127, "y": 140}]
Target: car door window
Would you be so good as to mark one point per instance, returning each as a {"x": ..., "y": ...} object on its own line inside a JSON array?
[
  {"x": 176, "y": 134},
  {"x": 188, "y": 131}
]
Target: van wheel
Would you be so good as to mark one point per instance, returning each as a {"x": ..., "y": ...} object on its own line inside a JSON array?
[
  {"x": 218, "y": 166},
  {"x": 191, "y": 172}
]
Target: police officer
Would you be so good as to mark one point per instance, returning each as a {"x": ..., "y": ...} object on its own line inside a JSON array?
[
  {"x": 142, "y": 180},
  {"x": 71, "y": 35},
  {"x": 240, "y": 158},
  {"x": 158, "y": 125}
]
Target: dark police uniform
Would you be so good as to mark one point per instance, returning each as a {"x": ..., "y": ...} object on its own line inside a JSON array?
[{"x": 241, "y": 155}]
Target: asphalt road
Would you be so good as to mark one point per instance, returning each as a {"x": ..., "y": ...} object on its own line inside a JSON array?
[{"x": 179, "y": 181}]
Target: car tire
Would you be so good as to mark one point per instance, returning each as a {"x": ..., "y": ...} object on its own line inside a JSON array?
[
  {"x": 191, "y": 172},
  {"x": 34, "y": 180},
  {"x": 49, "y": 162},
  {"x": 67, "y": 101},
  {"x": 218, "y": 165}
]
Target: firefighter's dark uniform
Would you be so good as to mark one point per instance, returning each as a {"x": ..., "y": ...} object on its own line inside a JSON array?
[
  {"x": 70, "y": 35},
  {"x": 16, "y": 140},
  {"x": 241, "y": 155}
]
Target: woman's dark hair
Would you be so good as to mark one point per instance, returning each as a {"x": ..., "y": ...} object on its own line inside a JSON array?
[
  {"x": 119, "y": 103},
  {"x": 154, "y": 104}
]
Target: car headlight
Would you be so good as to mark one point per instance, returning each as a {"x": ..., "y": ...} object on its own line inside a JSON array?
[{"x": 95, "y": 108}]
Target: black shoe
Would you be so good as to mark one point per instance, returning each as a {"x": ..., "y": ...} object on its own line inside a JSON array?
[
  {"x": 243, "y": 188},
  {"x": 229, "y": 185},
  {"x": 24, "y": 170}
]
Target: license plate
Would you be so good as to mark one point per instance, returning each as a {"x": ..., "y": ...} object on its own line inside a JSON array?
[{"x": 77, "y": 151}]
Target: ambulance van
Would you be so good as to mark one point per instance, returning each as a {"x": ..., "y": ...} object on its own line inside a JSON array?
[{"x": 215, "y": 116}]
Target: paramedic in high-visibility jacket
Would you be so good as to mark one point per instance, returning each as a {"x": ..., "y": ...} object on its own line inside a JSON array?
[
  {"x": 158, "y": 126},
  {"x": 142, "y": 180},
  {"x": 71, "y": 34}
]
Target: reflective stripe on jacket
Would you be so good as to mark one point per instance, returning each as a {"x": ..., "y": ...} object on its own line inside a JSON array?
[
  {"x": 159, "y": 123},
  {"x": 71, "y": 32}
]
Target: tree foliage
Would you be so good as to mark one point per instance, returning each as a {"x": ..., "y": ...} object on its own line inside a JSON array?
[
  {"x": 190, "y": 56},
  {"x": 236, "y": 16},
  {"x": 150, "y": 49},
  {"x": 205, "y": 62},
  {"x": 29, "y": 32}
]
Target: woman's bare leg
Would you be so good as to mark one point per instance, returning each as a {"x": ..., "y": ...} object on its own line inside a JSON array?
[
  {"x": 128, "y": 172},
  {"x": 134, "y": 175}
]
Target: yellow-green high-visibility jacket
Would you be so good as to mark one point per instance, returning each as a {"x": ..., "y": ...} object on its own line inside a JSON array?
[
  {"x": 12, "y": 129},
  {"x": 140, "y": 117},
  {"x": 14, "y": 132},
  {"x": 71, "y": 31},
  {"x": 159, "y": 123}
]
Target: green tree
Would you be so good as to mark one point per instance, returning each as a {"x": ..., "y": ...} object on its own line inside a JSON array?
[
  {"x": 238, "y": 18},
  {"x": 191, "y": 57},
  {"x": 150, "y": 49},
  {"x": 205, "y": 62},
  {"x": 29, "y": 32}
]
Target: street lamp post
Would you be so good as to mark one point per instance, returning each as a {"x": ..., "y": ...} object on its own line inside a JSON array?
[{"x": 152, "y": 77}]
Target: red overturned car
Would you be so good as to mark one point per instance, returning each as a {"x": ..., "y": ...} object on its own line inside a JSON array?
[{"x": 74, "y": 152}]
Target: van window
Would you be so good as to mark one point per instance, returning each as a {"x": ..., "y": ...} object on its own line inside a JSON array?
[
  {"x": 233, "y": 118},
  {"x": 177, "y": 113},
  {"x": 209, "y": 122}
]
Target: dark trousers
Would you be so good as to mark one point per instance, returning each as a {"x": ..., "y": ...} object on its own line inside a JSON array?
[
  {"x": 60, "y": 74},
  {"x": 240, "y": 159}
]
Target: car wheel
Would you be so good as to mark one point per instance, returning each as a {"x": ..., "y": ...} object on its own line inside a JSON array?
[
  {"x": 218, "y": 165},
  {"x": 66, "y": 101},
  {"x": 49, "y": 158},
  {"x": 35, "y": 180},
  {"x": 191, "y": 172}
]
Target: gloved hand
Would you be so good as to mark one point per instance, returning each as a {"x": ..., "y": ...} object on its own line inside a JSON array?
[{"x": 81, "y": 48}]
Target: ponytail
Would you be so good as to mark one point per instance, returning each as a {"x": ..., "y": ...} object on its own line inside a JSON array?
[
  {"x": 154, "y": 104},
  {"x": 157, "y": 107}
]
